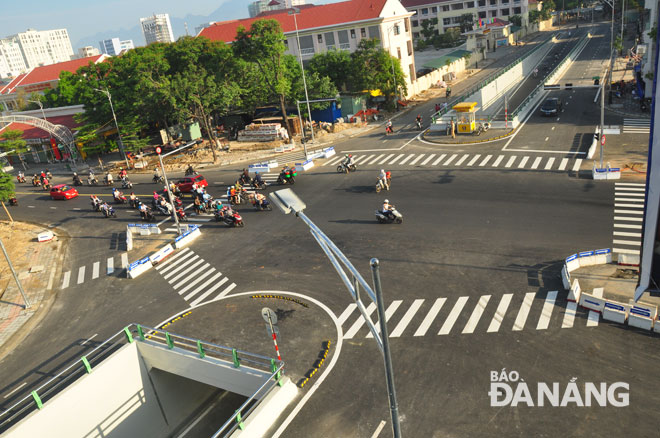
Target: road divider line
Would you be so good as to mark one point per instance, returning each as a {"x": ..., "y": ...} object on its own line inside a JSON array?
[
  {"x": 453, "y": 316},
  {"x": 569, "y": 315},
  {"x": 546, "y": 312},
  {"x": 496, "y": 322},
  {"x": 476, "y": 314},
  {"x": 430, "y": 316},
  {"x": 523, "y": 313},
  {"x": 407, "y": 317},
  {"x": 95, "y": 270},
  {"x": 357, "y": 325},
  {"x": 81, "y": 275},
  {"x": 394, "y": 305}
]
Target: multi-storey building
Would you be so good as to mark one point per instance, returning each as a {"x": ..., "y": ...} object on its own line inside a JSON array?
[
  {"x": 157, "y": 29},
  {"x": 12, "y": 62},
  {"x": 337, "y": 26},
  {"x": 87, "y": 51},
  {"x": 126, "y": 45},
  {"x": 110, "y": 46},
  {"x": 259, "y": 6},
  {"x": 449, "y": 12}
]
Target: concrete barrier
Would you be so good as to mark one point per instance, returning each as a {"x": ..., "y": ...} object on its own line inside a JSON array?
[
  {"x": 129, "y": 239},
  {"x": 575, "y": 292},
  {"x": 628, "y": 259},
  {"x": 138, "y": 267},
  {"x": 656, "y": 326},
  {"x": 161, "y": 254},
  {"x": 306, "y": 165},
  {"x": 615, "y": 311},
  {"x": 607, "y": 173},
  {"x": 594, "y": 145},
  {"x": 143, "y": 229},
  {"x": 602, "y": 256},
  {"x": 45, "y": 236},
  {"x": 642, "y": 315},
  {"x": 586, "y": 258},
  {"x": 187, "y": 237},
  {"x": 572, "y": 263},
  {"x": 329, "y": 152},
  {"x": 565, "y": 277},
  {"x": 592, "y": 302}
]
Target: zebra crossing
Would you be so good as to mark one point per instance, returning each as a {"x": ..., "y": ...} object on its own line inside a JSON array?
[
  {"x": 193, "y": 278},
  {"x": 484, "y": 316},
  {"x": 628, "y": 217},
  {"x": 509, "y": 162},
  {"x": 83, "y": 274},
  {"x": 636, "y": 126}
]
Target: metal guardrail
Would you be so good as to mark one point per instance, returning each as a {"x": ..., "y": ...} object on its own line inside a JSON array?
[
  {"x": 515, "y": 112},
  {"x": 486, "y": 81},
  {"x": 128, "y": 334}
]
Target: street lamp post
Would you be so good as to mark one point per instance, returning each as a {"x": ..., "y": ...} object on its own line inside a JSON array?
[
  {"x": 294, "y": 12},
  {"x": 112, "y": 108}
]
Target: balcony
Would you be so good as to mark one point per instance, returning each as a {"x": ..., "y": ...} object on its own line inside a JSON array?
[
  {"x": 344, "y": 47},
  {"x": 306, "y": 52}
]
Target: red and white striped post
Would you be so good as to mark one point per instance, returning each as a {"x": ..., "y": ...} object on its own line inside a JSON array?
[
  {"x": 277, "y": 350},
  {"x": 271, "y": 318},
  {"x": 506, "y": 114}
]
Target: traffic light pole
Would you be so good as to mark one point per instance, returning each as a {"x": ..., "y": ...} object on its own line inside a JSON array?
[{"x": 169, "y": 192}]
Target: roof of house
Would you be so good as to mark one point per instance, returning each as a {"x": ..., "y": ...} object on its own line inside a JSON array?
[
  {"x": 414, "y": 3},
  {"x": 32, "y": 132},
  {"x": 48, "y": 73},
  {"x": 308, "y": 18},
  {"x": 442, "y": 61}
]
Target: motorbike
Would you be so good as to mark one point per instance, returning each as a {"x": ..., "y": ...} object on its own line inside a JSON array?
[
  {"x": 388, "y": 129},
  {"x": 126, "y": 184},
  {"x": 419, "y": 124},
  {"x": 157, "y": 179},
  {"x": 108, "y": 180},
  {"x": 182, "y": 215},
  {"x": 483, "y": 127},
  {"x": 257, "y": 185},
  {"x": 120, "y": 199},
  {"x": 48, "y": 174},
  {"x": 190, "y": 171},
  {"x": 148, "y": 215},
  {"x": 380, "y": 185},
  {"x": 233, "y": 220},
  {"x": 20, "y": 178},
  {"x": 13, "y": 202},
  {"x": 133, "y": 202},
  {"x": 396, "y": 217},
  {"x": 265, "y": 205},
  {"x": 77, "y": 181},
  {"x": 448, "y": 92},
  {"x": 96, "y": 206},
  {"x": 109, "y": 212},
  {"x": 240, "y": 197},
  {"x": 287, "y": 177},
  {"x": 35, "y": 181},
  {"x": 92, "y": 181},
  {"x": 343, "y": 168},
  {"x": 45, "y": 185},
  {"x": 244, "y": 179},
  {"x": 163, "y": 210}
]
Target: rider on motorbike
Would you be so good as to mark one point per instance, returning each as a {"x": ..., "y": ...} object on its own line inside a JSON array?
[
  {"x": 388, "y": 127},
  {"x": 245, "y": 177},
  {"x": 259, "y": 200},
  {"x": 257, "y": 181},
  {"x": 348, "y": 160},
  {"x": 384, "y": 179},
  {"x": 418, "y": 119},
  {"x": 190, "y": 170},
  {"x": 122, "y": 173},
  {"x": 387, "y": 209},
  {"x": 108, "y": 178},
  {"x": 76, "y": 179}
]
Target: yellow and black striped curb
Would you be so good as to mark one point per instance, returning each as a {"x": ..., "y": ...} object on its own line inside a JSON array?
[
  {"x": 281, "y": 297},
  {"x": 323, "y": 354},
  {"x": 499, "y": 137}
]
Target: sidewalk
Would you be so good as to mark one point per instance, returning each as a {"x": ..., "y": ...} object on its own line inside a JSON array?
[{"x": 36, "y": 265}]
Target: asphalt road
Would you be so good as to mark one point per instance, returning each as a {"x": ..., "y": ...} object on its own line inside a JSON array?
[{"x": 470, "y": 280}]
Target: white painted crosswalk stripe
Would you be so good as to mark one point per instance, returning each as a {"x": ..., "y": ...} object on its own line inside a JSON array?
[
  {"x": 449, "y": 160},
  {"x": 405, "y": 160},
  {"x": 474, "y": 160},
  {"x": 203, "y": 296},
  {"x": 463, "y": 158},
  {"x": 485, "y": 160},
  {"x": 412, "y": 163},
  {"x": 66, "y": 279},
  {"x": 110, "y": 266},
  {"x": 184, "y": 266},
  {"x": 522, "y": 163},
  {"x": 332, "y": 161},
  {"x": 397, "y": 158},
  {"x": 509, "y": 163},
  {"x": 346, "y": 313},
  {"x": 385, "y": 159},
  {"x": 410, "y": 313},
  {"x": 592, "y": 320},
  {"x": 124, "y": 260},
  {"x": 168, "y": 263},
  {"x": 429, "y": 158},
  {"x": 225, "y": 291},
  {"x": 496, "y": 322},
  {"x": 201, "y": 273},
  {"x": 376, "y": 158},
  {"x": 546, "y": 312},
  {"x": 628, "y": 219},
  {"x": 360, "y": 322},
  {"x": 623, "y": 233},
  {"x": 95, "y": 270},
  {"x": 569, "y": 315},
  {"x": 635, "y": 227},
  {"x": 536, "y": 163},
  {"x": 630, "y": 184},
  {"x": 476, "y": 314},
  {"x": 192, "y": 270},
  {"x": 453, "y": 316},
  {"x": 439, "y": 159},
  {"x": 497, "y": 161},
  {"x": 81, "y": 275},
  {"x": 549, "y": 164},
  {"x": 619, "y": 192},
  {"x": 621, "y": 199},
  {"x": 430, "y": 316},
  {"x": 576, "y": 166},
  {"x": 563, "y": 164},
  {"x": 523, "y": 313},
  {"x": 359, "y": 159},
  {"x": 203, "y": 286},
  {"x": 388, "y": 314}
]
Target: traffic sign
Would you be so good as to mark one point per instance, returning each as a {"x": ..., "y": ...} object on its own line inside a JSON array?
[
  {"x": 602, "y": 140},
  {"x": 269, "y": 315},
  {"x": 159, "y": 150}
]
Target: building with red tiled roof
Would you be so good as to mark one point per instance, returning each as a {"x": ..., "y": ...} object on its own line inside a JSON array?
[
  {"x": 489, "y": 34},
  {"x": 449, "y": 12},
  {"x": 40, "y": 79},
  {"x": 336, "y": 26}
]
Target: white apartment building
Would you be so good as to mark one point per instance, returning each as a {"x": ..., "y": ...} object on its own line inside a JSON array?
[
  {"x": 338, "y": 26},
  {"x": 87, "y": 51},
  {"x": 448, "y": 12},
  {"x": 110, "y": 46},
  {"x": 12, "y": 62},
  {"x": 259, "y": 6},
  {"x": 126, "y": 45},
  {"x": 157, "y": 28}
]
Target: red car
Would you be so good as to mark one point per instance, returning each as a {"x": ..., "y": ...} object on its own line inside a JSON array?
[
  {"x": 185, "y": 184},
  {"x": 63, "y": 191}
]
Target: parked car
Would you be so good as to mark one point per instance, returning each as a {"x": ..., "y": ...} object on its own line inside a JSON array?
[
  {"x": 185, "y": 184},
  {"x": 63, "y": 191},
  {"x": 551, "y": 107}
]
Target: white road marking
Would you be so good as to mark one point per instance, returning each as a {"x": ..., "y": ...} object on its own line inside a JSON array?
[
  {"x": 225, "y": 292},
  {"x": 626, "y": 242},
  {"x": 622, "y": 233},
  {"x": 184, "y": 268},
  {"x": 198, "y": 269},
  {"x": 563, "y": 164},
  {"x": 161, "y": 266},
  {"x": 592, "y": 320},
  {"x": 625, "y": 251},
  {"x": 199, "y": 278},
  {"x": 511, "y": 161},
  {"x": 394, "y": 305},
  {"x": 485, "y": 160},
  {"x": 636, "y": 227},
  {"x": 209, "y": 292},
  {"x": 67, "y": 278},
  {"x": 375, "y": 159},
  {"x": 360, "y": 322},
  {"x": 546, "y": 312},
  {"x": 547, "y": 138},
  {"x": 429, "y": 158},
  {"x": 412, "y": 163},
  {"x": 474, "y": 160},
  {"x": 453, "y": 316},
  {"x": 463, "y": 158},
  {"x": 523, "y": 312},
  {"x": 124, "y": 260},
  {"x": 641, "y": 201},
  {"x": 405, "y": 160},
  {"x": 569, "y": 315},
  {"x": 81, "y": 275},
  {"x": 378, "y": 430},
  {"x": 576, "y": 166},
  {"x": 89, "y": 339},
  {"x": 397, "y": 158},
  {"x": 95, "y": 270},
  {"x": 407, "y": 317},
  {"x": 497, "y": 161},
  {"x": 430, "y": 316},
  {"x": 110, "y": 266},
  {"x": 523, "y": 162},
  {"x": 629, "y": 205},
  {"x": 440, "y": 158},
  {"x": 200, "y": 288},
  {"x": 385, "y": 159},
  {"x": 536, "y": 162},
  {"x": 629, "y": 219},
  {"x": 347, "y": 312},
  {"x": 549, "y": 164},
  {"x": 25, "y": 383},
  {"x": 496, "y": 322},
  {"x": 476, "y": 314},
  {"x": 449, "y": 160}
]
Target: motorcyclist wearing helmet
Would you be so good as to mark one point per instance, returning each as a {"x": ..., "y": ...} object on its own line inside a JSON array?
[
  {"x": 387, "y": 209},
  {"x": 384, "y": 179},
  {"x": 349, "y": 160}
]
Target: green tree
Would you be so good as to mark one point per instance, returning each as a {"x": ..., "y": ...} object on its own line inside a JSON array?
[
  {"x": 466, "y": 22},
  {"x": 12, "y": 140},
  {"x": 263, "y": 45},
  {"x": 334, "y": 64},
  {"x": 534, "y": 17},
  {"x": 318, "y": 87},
  {"x": 371, "y": 68},
  {"x": 516, "y": 20},
  {"x": 7, "y": 187},
  {"x": 547, "y": 9},
  {"x": 428, "y": 29}
]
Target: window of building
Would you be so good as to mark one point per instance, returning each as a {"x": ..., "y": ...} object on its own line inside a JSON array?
[
  {"x": 415, "y": 35},
  {"x": 434, "y": 9},
  {"x": 410, "y": 47},
  {"x": 481, "y": 3},
  {"x": 398, "y": 52},
  {"x": 353, "y": 33},
  {"x": 445, "y": 8},
  {"x": 493, "y": 13},
  {"x": 330, "y": 40},
  {"x": 425, "y": 11},
  {"x": 342, "y": 36},
  {"x": 363, "y": 32},
  {"x": 374, "y": 32},
  {"x": 415, "y": 23},
  {"x": 504, "y": 12},
  {"x": 406, "y": 24},
  {"x": 306, "y": 45},
  {"x": 446, "y": 21},
  {"x": 516, "y": 11},
  {"x": 396, "y": 30},
  {"x": 469, "y": 5},
  {"x": 456, "y": 6},
  {"x": 320, "y": 38},
  {"x": 482, "y": 14},
  {"x": 493, "y": 2},
  {"x": 413, "y": 77}
]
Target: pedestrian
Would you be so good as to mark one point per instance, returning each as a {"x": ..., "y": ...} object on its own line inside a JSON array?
[
  {"x": 437, "y": 107},
  {"x": 453, "y": 129}
]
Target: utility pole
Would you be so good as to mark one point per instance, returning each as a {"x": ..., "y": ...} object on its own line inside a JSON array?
[
  {"x": 169, "y": 192},
  {"x": 294, "y": 12},
  {"x": 18, "y": 282}
]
